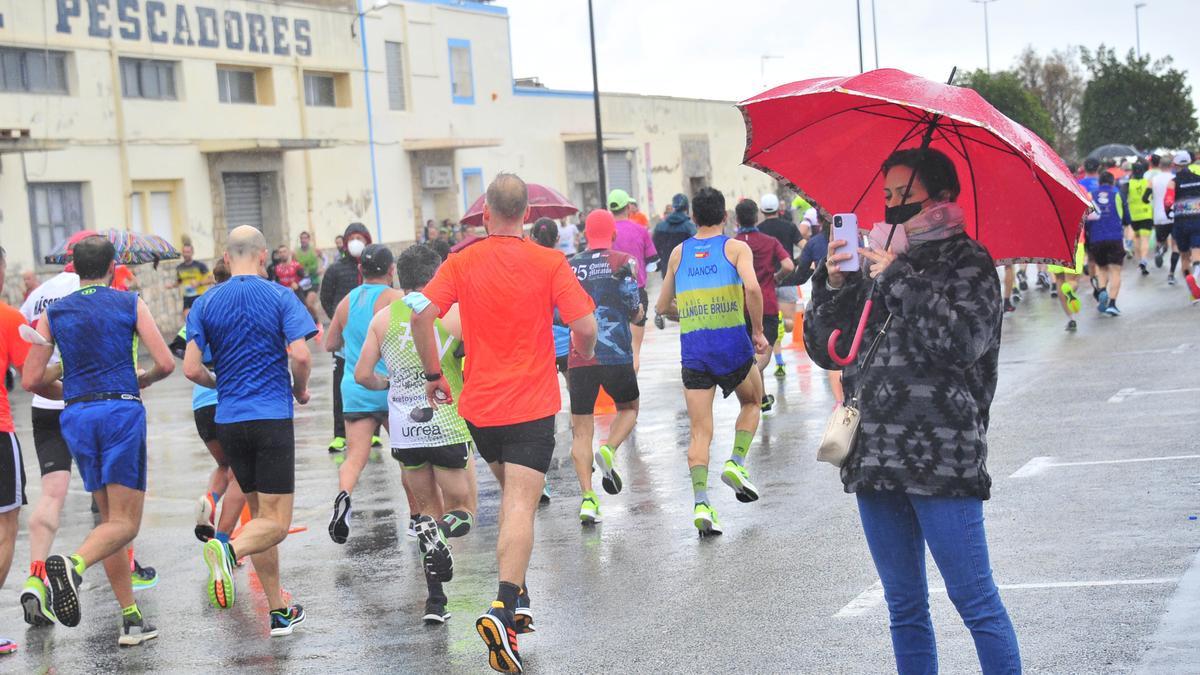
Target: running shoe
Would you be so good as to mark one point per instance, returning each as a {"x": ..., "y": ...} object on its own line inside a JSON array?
[
  {"x": 412, "y": 526},
  {"x": 143, "y": 578},
  {"x": 206, "y": 511},
  {"x": 435, "y": 612},
  {"x": 1102, "y": 301},
  {"x": 523, "y": 614},
  {"x": 780, "y": 370},
  {"x": 659, "y": 321},
  {"x": 1193, "y": 286},
  {"x": 589, "y": 509},
  {"x": 7, "y": 646},
  {"x": 339, "y": 523},
  {"x": 1009, "y": 306},
  {"x": 218, "y": 558},
  {"x": 1043, "y": 281},
  {"x": 1053, "y": 292},
  {"x": 435, "y": 552},
  {"x": 1145, "y": 267},
  {"x": 1073, "y": 303},
  {"x": 376, "y": 442},
  {"x": 1016, "y": 296},
  {"x": 545, "y": 498},
  {"x": 135, "y": 631},
  {"x": 499, "y": 634},
  {"x": 1022, "y": 280},
  {"x": 1159, "y": 252},
  {"x": 283, "y": 622},
  {"x": 606, "y": 459},
  {"x": 1112, "y": 310},
  {"x": 35, "y": 604},
  {"x": 736, "y": 477},
  {"x": 1095, "y": 287},
  {"x": 704, "y": 517},
  {"x": 338, "y": 444},
  {"x": 768, "y": 404},
  {"x": 1170, "y": 279},
  {"x": 1072, "y": 326},
  {"x": 63, "y": 583}
]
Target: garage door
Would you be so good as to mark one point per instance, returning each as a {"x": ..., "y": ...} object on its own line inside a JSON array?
[
  {"x": 619, "y": 166},
  {"x": 243, "y": 199}
]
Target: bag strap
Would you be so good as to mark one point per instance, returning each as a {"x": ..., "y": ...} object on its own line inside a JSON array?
[{"x": 869, "y": 358}]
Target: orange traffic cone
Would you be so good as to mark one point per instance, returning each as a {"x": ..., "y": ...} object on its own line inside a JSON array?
[
  {"x": 798, "y": 329},
  {"x": 604, "y": 403}
]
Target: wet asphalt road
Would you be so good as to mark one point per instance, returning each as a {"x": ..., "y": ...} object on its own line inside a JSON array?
[{"x": 1097, "y": 561}]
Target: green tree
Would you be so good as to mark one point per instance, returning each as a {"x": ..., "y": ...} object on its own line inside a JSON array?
[
  {"x": 1057, "y": 80},
  {"x": 1005, "y": 91},
  {"x": 1145, "y": 103}
]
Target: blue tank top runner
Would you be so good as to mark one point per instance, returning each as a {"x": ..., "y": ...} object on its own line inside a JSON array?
[
  {"x": 95, "y": 328},
  {"x": 712, "y": 323}
]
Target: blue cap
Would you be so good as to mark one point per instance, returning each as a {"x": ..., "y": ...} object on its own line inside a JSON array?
[{"x": 679, "y": 202}]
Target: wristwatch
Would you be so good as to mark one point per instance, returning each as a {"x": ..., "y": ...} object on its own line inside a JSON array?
[{"x": 432, "y": 377}]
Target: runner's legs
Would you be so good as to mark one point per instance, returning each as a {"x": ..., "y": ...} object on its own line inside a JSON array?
[
  {"x": 358, "y": 451},
  {"x": 120, "y": 520},
  {"x": 47, "y": 512},
  {"x": 582, "y": 433},
  {"x": 518, "y": 502},
  {"x": 271, "y": 516}
]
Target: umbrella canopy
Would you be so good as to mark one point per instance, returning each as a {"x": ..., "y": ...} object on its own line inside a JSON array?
[
  {"x": 829, "y": 136},
  {"x": 1113, "y": 151},
  {"x": 544, "y": 202},
  {"x": 133, "y": 248}
]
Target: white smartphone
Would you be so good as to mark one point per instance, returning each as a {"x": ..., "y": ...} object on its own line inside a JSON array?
[{"x": 845, "y": 228}]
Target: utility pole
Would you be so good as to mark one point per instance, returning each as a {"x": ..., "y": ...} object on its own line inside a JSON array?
[
  {"x": 1137, "y": 23},
  {"x": 858, "y": 18},
  {"x": 987, "y": 43},
  {"x": 874, "y": 35},
  {"x": 602, "y": 180}
]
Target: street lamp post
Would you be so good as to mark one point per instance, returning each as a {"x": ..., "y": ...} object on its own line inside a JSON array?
[
  {"x": 987, "y": 43},
  {"x": 1137, "y": 23},
  {"x": 874, "y": 35},
  {"x": 361, "y": 20},
  {"x": 602, "y": 180},
  {"x": 858, "y": 18}
]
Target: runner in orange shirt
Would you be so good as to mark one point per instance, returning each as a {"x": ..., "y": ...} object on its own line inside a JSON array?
[{"x": 506, "y": 289}]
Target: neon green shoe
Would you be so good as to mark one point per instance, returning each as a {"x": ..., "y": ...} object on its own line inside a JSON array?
[
  {"x": 219, "y": 561},
  {"x": 143, "y": 578},
  {"x": 1072, "y": 298},
  {"x": 376, "y": 442},
  {"x": 736, "y": 477},
  {"x": 338, "y": 444},
  {"x": 705, "y": 519},
  {"x": 35, "y": 603},
  {"x": 780, "y": 370},
  {"x": 606, "y": 459},
  {"x": 589, "y": 509}
]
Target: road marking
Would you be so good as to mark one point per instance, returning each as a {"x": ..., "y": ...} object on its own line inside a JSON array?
[
  {"x": 873, "y": 596},
  {"x": 1123, "y": 394},
  {"x": 1039, "y": 464}
]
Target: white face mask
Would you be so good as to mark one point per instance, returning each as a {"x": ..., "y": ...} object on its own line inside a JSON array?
[{"x": 355, "y": 247}]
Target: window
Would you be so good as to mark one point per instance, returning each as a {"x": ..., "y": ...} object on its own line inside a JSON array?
[
  {"x": 37, "y": 71},
  {"x": 148, "y": 78},
  {"x": 472, "y": 186},
  {"x": 319, "y": 90},
  {"x": 397, "y": 98},
  {"x": 153, "y": 208},
  {"x": 236, "y": 86},
  {"x": 462, "y": 81},
  {"x": 55, "y": 213}
]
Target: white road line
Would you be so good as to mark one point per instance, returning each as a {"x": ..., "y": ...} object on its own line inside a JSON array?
[
  {"x": 1033, "y": 467},
  {"x": 1123, "y": 394},
  {"x": 873, "y": 596},
  {"x": 1039, "y": 464}
]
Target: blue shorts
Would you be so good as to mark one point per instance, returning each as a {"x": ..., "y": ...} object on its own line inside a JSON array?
[
  {"x": 1186, "y": 233},
  {"x": 108, "y": 441}
]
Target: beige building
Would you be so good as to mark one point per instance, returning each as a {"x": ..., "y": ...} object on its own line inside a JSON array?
[{"x": 189, "y": 117}]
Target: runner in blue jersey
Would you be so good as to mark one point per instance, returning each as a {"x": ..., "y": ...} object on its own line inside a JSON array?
[
  {"x": 363, "y": 409},
  {"x": 251, "y": 326},
  {"x": 610, "y": 277},
  {"x": 96, "y": 330},
  {"x": 1105, "y": 247},
  {"x": 712, "y": 279}
]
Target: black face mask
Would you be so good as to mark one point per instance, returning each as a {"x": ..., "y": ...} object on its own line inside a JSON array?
[{"x": 898, "y": 215}]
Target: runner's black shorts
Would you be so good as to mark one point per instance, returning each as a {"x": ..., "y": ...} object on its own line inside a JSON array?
[
  {"x": 52, "y": 451},
  {"x": 206, "y": 422},
  {"x": 380, "y": 416},
  {"x": 561, "y": 363},
  {"x": 189, "y": 300},
  {"x": 12, "y": 473},
  {"x": 770, "y": 328},
  {"x": 699, "y": 379},
  {"x": 529, "y": 444},
  {"x": 1162, "y": 233},
  {"x": 452, "y": 456},
  {"x": 644, "y": 301},
  {"x": 1107, "y": 253},
  {"x": 1142, "y": 225},
  {"x": 262, "y": 454},
  {"x": 620, "y": 381}
]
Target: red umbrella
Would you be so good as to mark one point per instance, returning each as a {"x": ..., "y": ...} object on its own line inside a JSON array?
[
  {"x": 828, "y": 137},
  {"x": 544, "y": 202}
]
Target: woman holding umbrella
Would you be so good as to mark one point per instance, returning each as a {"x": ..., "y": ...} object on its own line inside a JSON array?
[{"x": 918, "y": 466}]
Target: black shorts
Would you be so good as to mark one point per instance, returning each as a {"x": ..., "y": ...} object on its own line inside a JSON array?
[
  {"x": 1107, "y": 253},
  {"x": 189, "y": 300},
  {"x": 528, "y": 444},
  {"x": 443, "y": 456},
  {"x": 380, "y": 417},
  {"x": 262, "y": 454},
  {"x": 12, "y": 473},
  {"x": 52, "y": 452},
  {"x": 584, "y": 386},
  {"x": 1162, "y": 233},
  {"x": 206, "y": 422},
  {"x": 699, "y": 379},
  {"x": 644, "y": 301},
  {"x": 561, "y": 363},
  {"x": 1142, "y": 225},
  {"x": 770, "y": 328}
]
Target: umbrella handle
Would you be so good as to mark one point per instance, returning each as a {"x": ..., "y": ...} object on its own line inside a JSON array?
[{"x": 858, "y": 336}]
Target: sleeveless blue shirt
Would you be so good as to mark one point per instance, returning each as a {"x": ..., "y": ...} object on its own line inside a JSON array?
[{"x": 95, "y": 328}]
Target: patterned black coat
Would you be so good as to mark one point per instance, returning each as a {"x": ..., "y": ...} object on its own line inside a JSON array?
[{"x": 926, "y": 398}]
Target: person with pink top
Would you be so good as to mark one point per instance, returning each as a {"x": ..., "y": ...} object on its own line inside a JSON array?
[{"x": 635, "y": 240}]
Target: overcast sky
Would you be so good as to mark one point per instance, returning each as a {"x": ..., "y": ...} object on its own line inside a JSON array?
[{"x": 714, "y": 48}]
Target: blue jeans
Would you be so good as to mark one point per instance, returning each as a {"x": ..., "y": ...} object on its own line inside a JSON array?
[{"x": 898, "y": 526}]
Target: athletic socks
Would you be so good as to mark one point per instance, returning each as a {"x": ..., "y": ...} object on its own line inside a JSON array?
[
  {"x": 508, "y": 595},
  {"x": 1174, "y": 261},
  {"x": 700, "y": 483},
  {"x": 741, "y": 445},
  {"x": 77, "y": 563},
  {"x": 132, "y": 612},
  {"x": 456, "y": 523},
  {"x": 779, "y": 359},
  {"x": 37, "y": 568}
]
